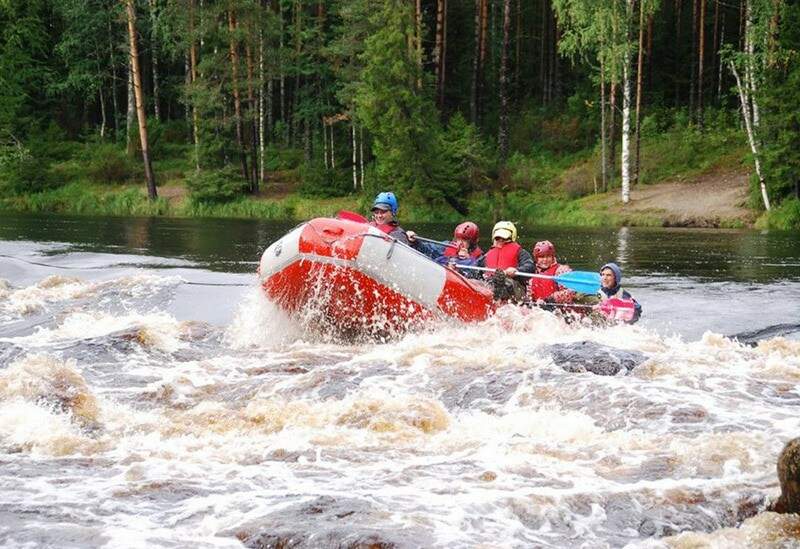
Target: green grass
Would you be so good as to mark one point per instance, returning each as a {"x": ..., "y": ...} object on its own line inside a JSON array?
[
  {"x": 784, "y": 217},
  {"x": 539, "y": 187}
]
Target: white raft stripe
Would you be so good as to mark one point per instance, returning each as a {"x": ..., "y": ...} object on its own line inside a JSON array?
[{"x": 406, "y": 271}]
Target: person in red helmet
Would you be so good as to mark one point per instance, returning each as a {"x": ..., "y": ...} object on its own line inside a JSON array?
[
  {"x": 543, "y": 291},
  {"x": 463, "y": 249}
]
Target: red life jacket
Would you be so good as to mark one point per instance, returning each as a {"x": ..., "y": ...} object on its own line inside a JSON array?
[
  {"x": 542, "y": 288},
  {"x": 452, "y": 251},
  {"x": 385, "y": 227},
  {"x": 502, "y": 258}
]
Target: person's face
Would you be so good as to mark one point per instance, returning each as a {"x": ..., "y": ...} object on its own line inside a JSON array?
[
  {"x": 545, "y": 261},
  {"x": 499, "y": 241},
  {"x": 607, "y": 278},
  {"x": 460, "y": 244},
  {"x": 382, "y": 217}
]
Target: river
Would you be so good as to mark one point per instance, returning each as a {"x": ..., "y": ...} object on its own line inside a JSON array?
[{"x": 150, "y": 396}]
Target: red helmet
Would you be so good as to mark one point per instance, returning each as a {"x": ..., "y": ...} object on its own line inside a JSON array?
[
  {"x": 467, "y": 231},
  {"x": 543, "y": 248}
]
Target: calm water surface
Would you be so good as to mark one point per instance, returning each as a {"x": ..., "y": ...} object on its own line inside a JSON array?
[{"x": 151, "y": 397}]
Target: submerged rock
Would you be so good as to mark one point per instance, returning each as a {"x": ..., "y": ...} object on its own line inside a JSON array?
[
  {"x": 789, "y": 477},
  {"x": 588, "y": 356},
  {"x": 346, "y": 523}
]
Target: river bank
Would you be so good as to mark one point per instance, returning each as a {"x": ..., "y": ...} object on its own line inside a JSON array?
[{"x": 714, "y": 199}]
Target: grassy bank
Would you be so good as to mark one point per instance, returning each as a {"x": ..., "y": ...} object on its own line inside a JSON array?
[{"x": 539, "y": 188}]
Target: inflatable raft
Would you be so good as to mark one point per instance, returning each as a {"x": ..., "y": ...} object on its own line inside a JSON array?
[{"x": 353, "y": 279}]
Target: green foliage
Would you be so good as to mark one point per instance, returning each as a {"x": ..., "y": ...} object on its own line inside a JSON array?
[
  {"x": 780, "y": 128},
  {"x": 784, "y": 217},
  {"x": 216, "y": 186},
  {"x": 22, "y": 173},
  {"x": 108, "y": 163},
  {"x": 401, "y": 117},
  {"x": 80, "y": 198},
  {"x": 282, "y": 158},
  {"x": 317, "y": 181}
]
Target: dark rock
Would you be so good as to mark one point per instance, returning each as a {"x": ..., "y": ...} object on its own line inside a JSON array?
[
  {"x": 752, "y": 337},
  {"x": 587, "y": 356},
  {"x": 789, "y": 477},
  {"x": 342, "y": 523}
]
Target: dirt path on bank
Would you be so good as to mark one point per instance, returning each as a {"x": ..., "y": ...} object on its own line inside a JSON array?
[{"x": 712, "y": 199}]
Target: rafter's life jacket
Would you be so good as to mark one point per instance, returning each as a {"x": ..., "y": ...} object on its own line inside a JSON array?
[
  {"x": 542, "y": 288},
  {"x": 503, "y": 258},
  {"x": 385, "y": 227}
]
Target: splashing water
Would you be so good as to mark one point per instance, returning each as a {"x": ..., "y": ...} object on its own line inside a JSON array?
[{"x": 122, "y": 424}]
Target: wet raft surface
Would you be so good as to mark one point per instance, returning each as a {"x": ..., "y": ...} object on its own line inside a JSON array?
[{"x": 130, "y": 417}]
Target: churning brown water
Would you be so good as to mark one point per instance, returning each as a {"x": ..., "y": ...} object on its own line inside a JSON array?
[{"x": 150, "y": 402}]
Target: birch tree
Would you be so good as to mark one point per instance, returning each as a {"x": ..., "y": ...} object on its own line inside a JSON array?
[
  {"x": 603, "y": 29},
  {"x": 749, "y": 68}
]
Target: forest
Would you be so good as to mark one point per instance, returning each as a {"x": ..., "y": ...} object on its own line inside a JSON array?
[{"x": 459, "y": 106}]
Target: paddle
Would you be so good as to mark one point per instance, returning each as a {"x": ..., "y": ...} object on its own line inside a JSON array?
[
  {"x": 585, "y": 282},
  {"x": 432, "y": 241},
  {"x": 351, "y": 216}
]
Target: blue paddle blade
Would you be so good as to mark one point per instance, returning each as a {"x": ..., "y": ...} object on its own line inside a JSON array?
[{"x": 585, "y": 282}]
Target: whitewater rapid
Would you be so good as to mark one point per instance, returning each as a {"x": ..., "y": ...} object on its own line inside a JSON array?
[{"x": 125, "y": 421}]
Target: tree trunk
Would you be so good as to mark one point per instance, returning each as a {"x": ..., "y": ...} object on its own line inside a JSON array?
[
  {"x": 333, "y": 150},
  {"x": 113, "y": 78},
  {"x": 715, "y": 44},
  {"x": 439, "y": 51},
  {"x": 131, "y": 108},
  {"x": 649, "y": 56},
  {"x": 603, "y": 129},
  {"x": 612, "y": 133},
  {"x": 139, "y": 97},
  {"x": 626, "y": 115},
  {"x": 282, "y": 55},
  {"x": 678, "y": 64},
  {"x": 361, "y": 153},
  {"x": 719, "y": 60},
  {"x": 502, "y": 132},
  {"x": 700, "y": 56},
  {"x": 262, "y": 176},
  {"x": 154, "y": 57},
  {"x": 418, "y": 45},
  {"x": 251, "y": 117},
  {"x": 484, "y": 35},
  {"x": 355, "y": 150},
  {"x": 193, "y": 75},
  {"x": 542, "y": 42},
  {"x": 517, "y": 45},
  {"x": 693, "y": 64},
  {"x": 639, "y": 67},
  {"x": 751, "y": 137},
  {"x": 476, "y": 66},
  {"x": 750, "y": 69},
  {"x": 237, "y": 102},
  {"x": 102, "y": 112}
]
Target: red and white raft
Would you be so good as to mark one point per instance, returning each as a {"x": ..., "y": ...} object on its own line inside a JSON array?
[{"x": 352, "y": 278}]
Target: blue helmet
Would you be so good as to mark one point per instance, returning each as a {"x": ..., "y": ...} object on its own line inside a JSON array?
[{"x": 386, "y": 199}]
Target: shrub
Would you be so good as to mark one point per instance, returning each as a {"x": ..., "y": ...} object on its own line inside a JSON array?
[
  {"x": 22, "y": 173},
  {"x": 318, "y": 181},
  {"x": 107, "y": 163},
  {"x": 216, "y": 186}
]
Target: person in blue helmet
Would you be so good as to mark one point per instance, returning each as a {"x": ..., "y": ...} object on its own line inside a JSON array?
[
  {"x": 384, "y": 216},
  {"x": 612, "y": 293}
]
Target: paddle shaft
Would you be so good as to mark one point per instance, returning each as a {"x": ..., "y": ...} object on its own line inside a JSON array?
[
  {"x": 488, "y": 270},
  {"x": 432, "y": 241}
]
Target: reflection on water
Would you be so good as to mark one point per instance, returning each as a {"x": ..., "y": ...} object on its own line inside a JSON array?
[{"x": 150, "y": 396}]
